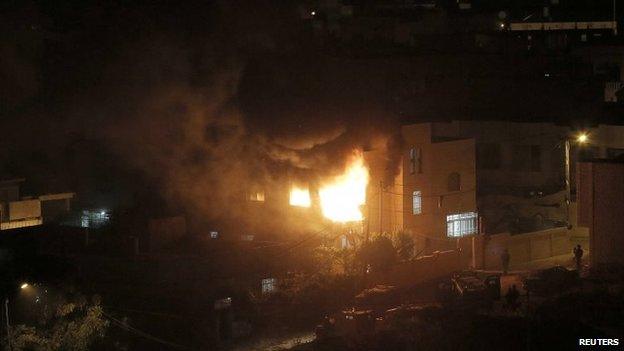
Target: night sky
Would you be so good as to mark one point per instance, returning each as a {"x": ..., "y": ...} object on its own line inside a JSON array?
[{"x": 124, "y": 100}]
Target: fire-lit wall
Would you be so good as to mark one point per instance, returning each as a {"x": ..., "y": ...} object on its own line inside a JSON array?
[
  {"x": 385, "y": 192},
  {"x": 601, "y": 204},
  {"x": 427, "y": 167},
  {"x": 270, "y": 216}
]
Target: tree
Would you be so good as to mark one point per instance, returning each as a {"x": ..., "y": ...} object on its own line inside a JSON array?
[
  {"x": 73, "y": 326},
  {"x": 404, "y": 244},
  {"x": 330, "y": 258},
  {"x": 380, "y": 254}
]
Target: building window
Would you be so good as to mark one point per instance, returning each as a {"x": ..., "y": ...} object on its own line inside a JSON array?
[
  {"x": 256, "y": 196},
  {"x": 454, "y": 182},
  {"x": 536, "y": 158},
  {"x": 415, "y": 161},
  {"x": 417, "y": 202},
  {"x": 214, "y": 235},
  {"x": 489, "y": 156},
  {"x": 269, "y": 285},
  {"x": 461, "y": 224}
]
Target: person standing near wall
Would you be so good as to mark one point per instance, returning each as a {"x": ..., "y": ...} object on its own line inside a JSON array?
[
  {"x": 578, "y": 257},
  {"x": 505, "y": 260}
]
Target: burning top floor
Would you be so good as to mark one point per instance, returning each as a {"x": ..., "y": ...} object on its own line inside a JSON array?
[
  {"x": 296, "y": 204},
  {"x": 339, "y": 197}
]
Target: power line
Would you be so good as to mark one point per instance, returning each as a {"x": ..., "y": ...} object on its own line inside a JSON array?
[
  {"x": 436, "y": 195},
  {"x": 127, "y": 327}
]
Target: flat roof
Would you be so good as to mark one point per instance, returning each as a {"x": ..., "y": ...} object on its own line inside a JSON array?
[
  {"x": 11, "y": 181},
  {"x": 59, "y": 196}
]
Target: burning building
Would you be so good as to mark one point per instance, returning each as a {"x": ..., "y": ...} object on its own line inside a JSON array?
[{"x": 303, "y": 203}]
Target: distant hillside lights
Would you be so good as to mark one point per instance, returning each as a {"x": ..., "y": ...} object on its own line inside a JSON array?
[{"x": 94, "y": 218}]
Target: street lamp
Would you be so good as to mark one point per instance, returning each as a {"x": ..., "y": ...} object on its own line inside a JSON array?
[
  {"x": 581, "y": 139},
  {"x": 23, "y": 286}
]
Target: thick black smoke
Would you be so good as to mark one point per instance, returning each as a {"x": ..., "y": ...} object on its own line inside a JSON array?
[{"x": 202, "y": 103}]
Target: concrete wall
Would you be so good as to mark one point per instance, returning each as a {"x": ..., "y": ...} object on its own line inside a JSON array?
[
  {"x": 526, "y": 247},
  {"x": 391, "y": 196},
  {"x": 509, "y": 135},
  {"x": 601, "y": 190},
  {"x": 437, "y": 265},
  {"x": 24, "y": 209}
]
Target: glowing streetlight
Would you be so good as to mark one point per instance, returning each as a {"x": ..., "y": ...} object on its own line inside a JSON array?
[
  {"x": 24, "y": 286},
  {"x": 582, "y": 138}
]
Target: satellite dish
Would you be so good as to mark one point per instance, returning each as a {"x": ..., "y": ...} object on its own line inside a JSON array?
[{"x": 502, "y": 15}]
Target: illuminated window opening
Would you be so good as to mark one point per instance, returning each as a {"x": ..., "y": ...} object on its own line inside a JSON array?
[
  {"x": 461, "y": 224},
  {"x": 417, "y": 202},
  {"x": 269, "y": 285},
  {"x": 256, "y": 196}
]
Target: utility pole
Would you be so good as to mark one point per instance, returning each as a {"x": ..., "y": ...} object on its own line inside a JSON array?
[
  {"x": 614, "y": 19},
  {"x": 8, "y": 326},
  {"x": 368, "y": 213},
  {"x": 568, "y": 196},
  {"x": 380, "y": 206}
]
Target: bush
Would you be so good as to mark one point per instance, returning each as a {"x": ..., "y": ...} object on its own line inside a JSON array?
[
  {"x": 74, "y": 326},
  {"x": 380, "y": 254}
]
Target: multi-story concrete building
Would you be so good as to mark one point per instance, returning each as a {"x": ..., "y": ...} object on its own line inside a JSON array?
[
  {"x": 439, "y": 186},
  {"x": 385, "y": 192},
  {"x": 465, "y": 177},
  {"x": 25, "y": 211}
]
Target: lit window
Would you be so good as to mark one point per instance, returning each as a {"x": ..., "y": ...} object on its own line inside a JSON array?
[
  {"x": 269, "y": 285},
  {"x": 417, "y": 202},
  {"x": 454, "y": 182},
  {"x": 461, "y": 224},
  {"x": 214, "y": 235},
  {"x": 256, "y": 196}
]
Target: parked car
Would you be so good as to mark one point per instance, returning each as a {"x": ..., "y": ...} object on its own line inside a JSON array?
[{"x": 551, "y": 281}]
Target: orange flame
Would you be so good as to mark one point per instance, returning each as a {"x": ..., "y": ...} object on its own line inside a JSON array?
[
  {"x": 299, "y": 197},
  {"x": 342, "y": 197}
]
